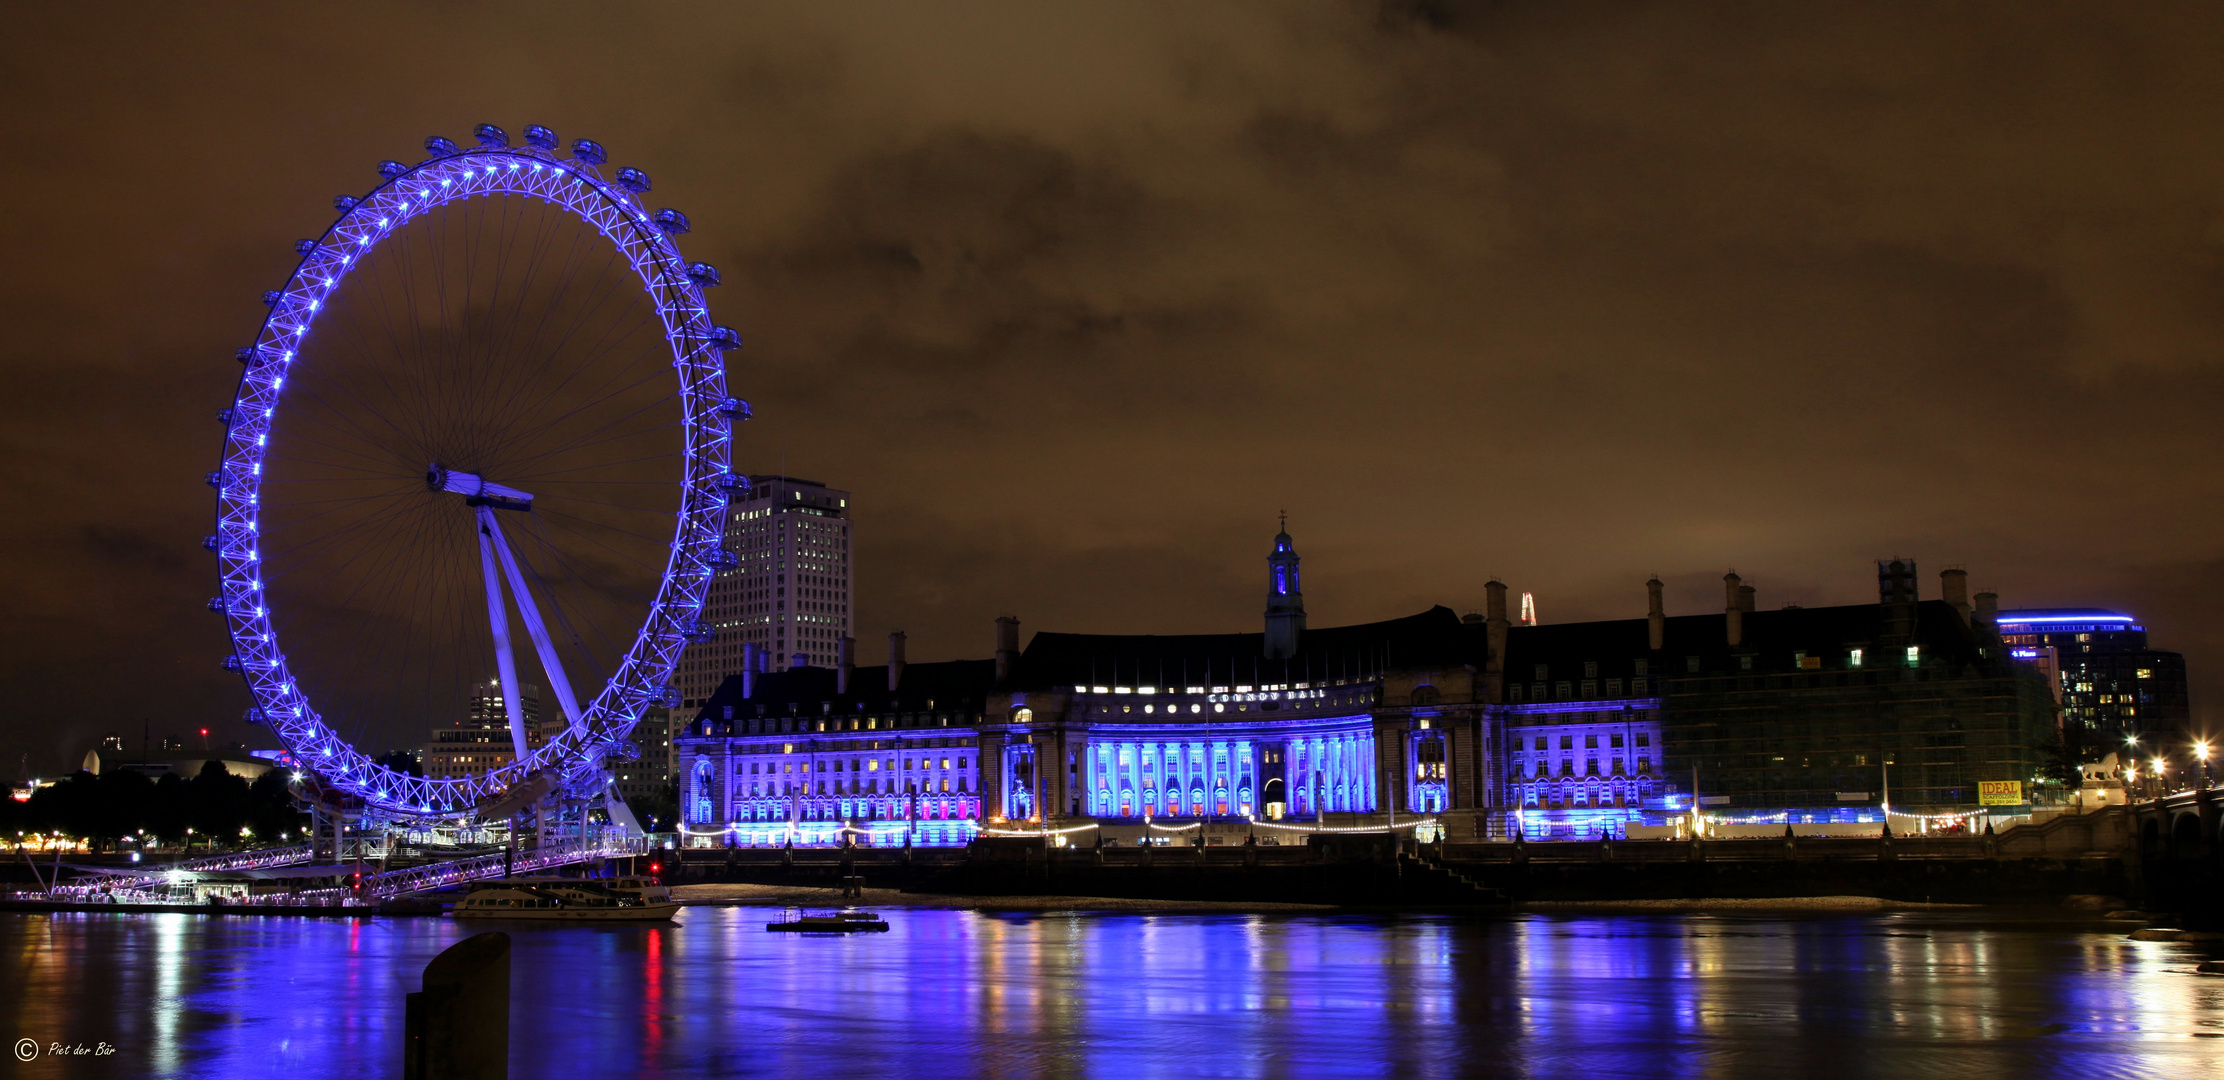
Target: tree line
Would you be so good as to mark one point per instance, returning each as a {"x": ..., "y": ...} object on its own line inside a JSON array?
[{"x": 211, "y": 807}]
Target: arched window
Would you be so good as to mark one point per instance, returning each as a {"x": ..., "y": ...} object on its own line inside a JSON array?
[{"x": 699, "y": 796}]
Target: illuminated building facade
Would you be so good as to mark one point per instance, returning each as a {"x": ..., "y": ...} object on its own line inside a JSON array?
[
  {"x": 787, "y": 595},
  {"x": 2112, "y": 686},
  {"x": 812, "y": 755},
  {"x": 1471, "y": 727}
]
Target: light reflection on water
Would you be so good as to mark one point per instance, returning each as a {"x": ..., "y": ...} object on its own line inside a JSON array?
[{"x": 1135, "y": 997}]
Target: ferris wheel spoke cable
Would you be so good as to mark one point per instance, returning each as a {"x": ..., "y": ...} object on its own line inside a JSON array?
[
  {"x": 605, "y": 394},
  {"x": 571, "y": 566},
  {"x": 591, "y": 359},
  {"x": 570, "y": 563}
]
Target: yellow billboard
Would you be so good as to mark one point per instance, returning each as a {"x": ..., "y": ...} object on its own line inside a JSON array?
[{"x": 2000, "y": 793}]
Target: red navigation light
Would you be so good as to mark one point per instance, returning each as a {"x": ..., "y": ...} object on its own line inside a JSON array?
[{"x": 204, "y": 732}]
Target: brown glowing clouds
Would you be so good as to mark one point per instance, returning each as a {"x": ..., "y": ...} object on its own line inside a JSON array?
[{"x": 1076, "y": 298}]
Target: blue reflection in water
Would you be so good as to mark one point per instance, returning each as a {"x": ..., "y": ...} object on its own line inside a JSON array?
[{"x": 1135, "y": 997}]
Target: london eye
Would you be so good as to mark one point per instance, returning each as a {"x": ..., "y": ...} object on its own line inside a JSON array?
[{"x": 476, "y": 469}]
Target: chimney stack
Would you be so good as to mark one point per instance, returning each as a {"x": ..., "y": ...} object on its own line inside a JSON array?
[
  {"x": 1953, "y": 585},
  {"x": 1896, "y": 592},
  {"x": 895, "y": 660},
  {"x": 1733, "y": 608},
  {"x": 845, "y": 661},
  {"x": 1007, "y": 647},
  {"x": 1745, "y": 598},
  {"x": 1656, "y": 617},
  {"x": 751, "y": 660},
  {"x": 1495, "y": 620},
  {"x": 1987, "y": 621}
]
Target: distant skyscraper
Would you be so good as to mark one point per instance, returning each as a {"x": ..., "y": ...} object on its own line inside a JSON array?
[
  {"x": 481, "y": 740},
  {"x": 791, "y": 593}
]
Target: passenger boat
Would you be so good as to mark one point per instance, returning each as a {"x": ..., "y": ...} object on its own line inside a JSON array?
[
  {"x": 830, "y": 922},
  {"x": 563, "y": 899}
]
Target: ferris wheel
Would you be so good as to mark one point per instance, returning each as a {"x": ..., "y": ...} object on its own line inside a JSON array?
[{"x": 489, "y": 399}]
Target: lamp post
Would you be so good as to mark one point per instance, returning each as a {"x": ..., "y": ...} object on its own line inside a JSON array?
[{"x": 2201, "y": 753}]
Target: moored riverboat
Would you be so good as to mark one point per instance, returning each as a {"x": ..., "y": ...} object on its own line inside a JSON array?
[
  {"x": 846, "y": 921},
  {"x": 575, "y": 901}
]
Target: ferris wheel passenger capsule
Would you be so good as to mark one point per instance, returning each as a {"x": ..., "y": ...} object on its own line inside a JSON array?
[
  {"x": 344, "y": 203},
  {"x": 224, "y": 417},
  {"x": 391, "y": 169},
  {"x": 245, "y": 354},
  {"x": 231, "y": 663},
  {"x": 216, "y": 604},
  {"x": 633, "y": 180},
  {"x": 671, "y": 221},
  {"x": 734, "y": 408},
  {"x": 732, "y": 484},
  {"x": 589, "y": 151},
  {"x": 725, "y": 338},
  {"x": 702, "y": 274},
  {"x": 536, "y": 135},
  {"x": 721, "y": 559},
  {"x": 209, "y": 543},
  {"x": 439, "y": 147},
  {"x": 253, "y": 716},
  {"x": 303, "y": 247},
  {"x": 271, "y": 298},
  {"x": 491, "y": 137}
]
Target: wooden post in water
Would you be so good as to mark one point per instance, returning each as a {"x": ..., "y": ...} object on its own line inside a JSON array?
[{"x": 458, "y": 1027}]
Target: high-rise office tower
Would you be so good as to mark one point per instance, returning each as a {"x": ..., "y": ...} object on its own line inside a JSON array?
[{"x": 789, "y": 597}]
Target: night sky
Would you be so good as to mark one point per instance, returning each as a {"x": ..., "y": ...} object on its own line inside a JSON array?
[{"x": 1075, "y": 299}]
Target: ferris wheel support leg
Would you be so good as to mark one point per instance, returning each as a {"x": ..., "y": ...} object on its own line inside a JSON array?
[
  {"x": 504, "y": 662},
  {"x": 621, "y": 815},
  {"x": 551, "y": 665}
]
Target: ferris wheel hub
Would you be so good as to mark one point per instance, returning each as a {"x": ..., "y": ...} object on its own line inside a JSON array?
[{"x": 475, "y": 489}]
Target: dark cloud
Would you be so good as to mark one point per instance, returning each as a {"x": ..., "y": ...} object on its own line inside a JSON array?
[{"x": 1076, "y": 299}]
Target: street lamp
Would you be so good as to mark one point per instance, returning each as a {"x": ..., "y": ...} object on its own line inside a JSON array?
[{"x": 2201, "y": 751}]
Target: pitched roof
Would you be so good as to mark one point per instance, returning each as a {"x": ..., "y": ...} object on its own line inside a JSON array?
[
  {"x": 1058, "y": 659},
  {"x": 949, "y": 684}
]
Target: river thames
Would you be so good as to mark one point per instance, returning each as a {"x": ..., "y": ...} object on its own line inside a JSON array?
[{"x": 950, "y": 993}]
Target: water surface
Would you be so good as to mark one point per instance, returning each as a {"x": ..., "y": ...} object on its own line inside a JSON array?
[{"x": 1135, "y": 997}]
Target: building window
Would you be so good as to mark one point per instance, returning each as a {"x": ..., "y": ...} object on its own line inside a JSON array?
[
  {"x": 1691, "y": 665},
  {"x": 1853, "y": 658},
  {"x": 1613, "y": 688}
]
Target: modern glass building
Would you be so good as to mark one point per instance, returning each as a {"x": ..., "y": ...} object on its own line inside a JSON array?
[{"x": 2113, "y": 687}]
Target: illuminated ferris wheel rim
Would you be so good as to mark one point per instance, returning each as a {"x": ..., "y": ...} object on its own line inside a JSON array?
[{"x": 573, "y": 758}]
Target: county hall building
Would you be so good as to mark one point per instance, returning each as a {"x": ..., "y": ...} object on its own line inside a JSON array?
[{"x": 1464, "y": 727}]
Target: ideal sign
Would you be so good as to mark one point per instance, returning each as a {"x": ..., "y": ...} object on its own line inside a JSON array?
[{"x": 2000, "y": 793}]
